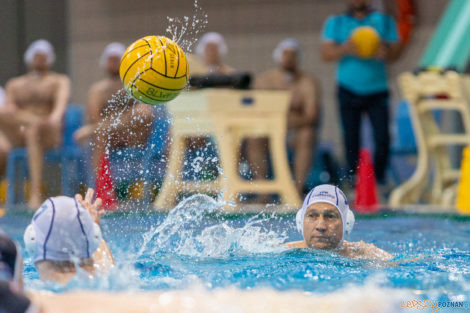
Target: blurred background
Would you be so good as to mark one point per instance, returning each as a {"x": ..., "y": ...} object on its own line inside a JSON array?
[{"x": 80, "y": 29}]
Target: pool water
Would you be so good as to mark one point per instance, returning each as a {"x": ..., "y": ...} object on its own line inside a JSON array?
[{"x": 196, "y": 244}]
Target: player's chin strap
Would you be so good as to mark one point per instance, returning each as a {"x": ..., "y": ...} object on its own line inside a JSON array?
[{"x": 31, "y": 242}]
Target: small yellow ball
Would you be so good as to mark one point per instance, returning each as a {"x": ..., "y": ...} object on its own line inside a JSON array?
[
  {"x": 154, "y": 70},
  {"x": 367, "y": 41}
]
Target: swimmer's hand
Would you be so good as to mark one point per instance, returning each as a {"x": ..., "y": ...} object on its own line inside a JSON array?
[
  {"x": 94, "y": 208},
  {"x": 103, "y": 257}
]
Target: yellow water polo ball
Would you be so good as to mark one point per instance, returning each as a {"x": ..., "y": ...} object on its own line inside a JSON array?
[
  {"x": 154, "y": 70},
  {"x": 367, "y": 41}
]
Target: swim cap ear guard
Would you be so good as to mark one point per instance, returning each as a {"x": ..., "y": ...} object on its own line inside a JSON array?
[
  {"x": 29, "y": 238},
  {"x": 350, "y": 220},
  {"x": 30, "y": 241},
  {"x": 299, "y": 221}
]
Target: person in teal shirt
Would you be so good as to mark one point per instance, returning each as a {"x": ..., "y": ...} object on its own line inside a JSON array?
[{"x": 362, "y": 83}]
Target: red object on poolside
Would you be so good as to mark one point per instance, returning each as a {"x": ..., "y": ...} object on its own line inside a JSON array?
[
  {"x": 366, "y": 187},
  {"x": 406, "y": 19},
  {"x": 104, "y": 184}
]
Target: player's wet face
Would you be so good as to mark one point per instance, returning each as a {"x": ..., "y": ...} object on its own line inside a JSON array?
[
  {"x": 289, "y": 60},
  {"x": 323, "y": 227},
  {"x": 211, "y": 54},
  {"x": 113, "y": 65},
  {"x": 40, "y": 62}
]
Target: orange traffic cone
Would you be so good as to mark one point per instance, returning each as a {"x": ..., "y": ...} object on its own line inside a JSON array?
[
  {"x": 104, "y": 184},
  {"x": 366, "y": 187}
]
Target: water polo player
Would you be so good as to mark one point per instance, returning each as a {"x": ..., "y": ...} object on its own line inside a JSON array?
[
  {"x": 65, "y": 234},
  {"x": 324, "y": 220}
]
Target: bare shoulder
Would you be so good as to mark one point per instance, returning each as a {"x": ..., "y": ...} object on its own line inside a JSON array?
[
  {"x": 227, "y": 69},
  {"x": 58, "y": 76},
  {"x": 308, "y": 79},
  {"x": 15, "y": 82},
  {"x": 274, "y": 72},
  {"x": 99, "y": 86},
  {"x": 295, "y": 244},
  {"x": 143, "y": 108},
  {"x": 363, "y": 250},
  {"x": 59, "y": 79},
  {"x": 267, "y": 79}
]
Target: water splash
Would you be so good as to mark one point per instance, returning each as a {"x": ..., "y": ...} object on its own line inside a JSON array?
[
  {"x": 186, "y": 30},
  {"x": 196, "y": 227},
  {"x": 110, "y": 117}
]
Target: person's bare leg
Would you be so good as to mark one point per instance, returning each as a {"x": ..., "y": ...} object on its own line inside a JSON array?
[
  {"x": 304, "y": 147},
  {"x": 35, "y": 161},
  {"x": 256, "y": 153},
  {"x": 10, "y": 137},
  {"x": 5, "y": 147}
]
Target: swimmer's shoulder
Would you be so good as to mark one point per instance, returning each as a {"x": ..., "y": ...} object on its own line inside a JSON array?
[
  {"x": 363, "y": 250},
  {"x": 100, "y": 86},
  {"x": 270, "y": 74},
  {"x": 58, "y": 76},
  {"x": 227, "y": 69},
  {"x": 268, "y": 79},
  {"x": 307, "y": 80},
  {"x": 295, "y": 244},
  {"x": 16, "y": 82},
  {"x": 58, "y": 79}
]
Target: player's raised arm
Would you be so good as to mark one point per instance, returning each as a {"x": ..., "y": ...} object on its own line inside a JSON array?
[{"x": 103, "y": 257}]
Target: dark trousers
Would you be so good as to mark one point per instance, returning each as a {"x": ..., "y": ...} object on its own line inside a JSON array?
[{"x": 352, "y": 106}]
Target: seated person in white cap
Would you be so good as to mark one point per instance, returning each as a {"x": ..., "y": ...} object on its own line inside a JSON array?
[
  {"x": 65, "y": 234},
  {"x": 135, "y": 118},
  {"x": 303, "y": 115},
  {"x": 324, "y": 220},
  {"x": 211, "y": 49},
  {"x": 33, "y": 112}
]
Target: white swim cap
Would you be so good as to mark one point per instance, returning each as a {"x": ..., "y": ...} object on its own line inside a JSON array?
[
  {"x": 213, "y": 37},
  {"x": 61, "y": 230},
  {"x": 39, "y": 46},
  {"x": 286, "y": 44},
  {"x": 332, "y": 195},
  {"x": 114, "y": 49}
]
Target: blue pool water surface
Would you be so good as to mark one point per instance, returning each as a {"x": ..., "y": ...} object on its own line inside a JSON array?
[{"x": 197, "y": 245}]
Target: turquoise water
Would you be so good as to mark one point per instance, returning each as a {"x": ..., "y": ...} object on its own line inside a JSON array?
[{"x": 197, "y": 245}]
